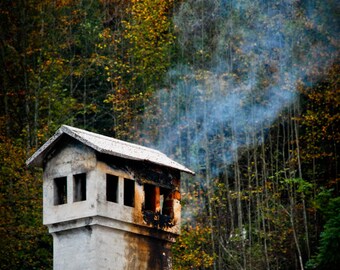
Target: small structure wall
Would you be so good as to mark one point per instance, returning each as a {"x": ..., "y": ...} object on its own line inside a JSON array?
[
  {"x": 100, "y": 247},
  {"x": 99, "y": 234},
  {"x": 67, "y": 162}
]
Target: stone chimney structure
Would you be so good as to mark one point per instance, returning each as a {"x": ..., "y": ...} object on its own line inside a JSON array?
[{"x": 108, "y": 204}]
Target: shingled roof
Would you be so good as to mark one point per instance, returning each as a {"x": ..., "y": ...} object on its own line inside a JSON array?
[{"x": 106, "y": 145}]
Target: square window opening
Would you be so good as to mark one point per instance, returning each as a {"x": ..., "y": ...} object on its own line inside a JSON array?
[
  {"x": 166, "y": 201},
  {"x": 150, "y": 194},
  {"x": 79, "y": 187},
  {"x": 158, "y": 199},
  {"x": 60, "y": 190},
  {"x": 112, "y": 188},
  {"x": 129, "y": 192}
]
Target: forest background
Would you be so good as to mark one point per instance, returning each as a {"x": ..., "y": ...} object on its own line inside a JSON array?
[{"x": 243, "y": 92}]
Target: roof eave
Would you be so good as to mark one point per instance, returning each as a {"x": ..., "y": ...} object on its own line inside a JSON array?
[
  {"x": 116, "y": 154},
  {"x": 37, "y": 158}
]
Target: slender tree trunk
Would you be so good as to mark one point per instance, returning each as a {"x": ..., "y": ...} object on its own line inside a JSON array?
[
  {"x": 250, "y": 199},
  {"x": 265, "y": 200},
  {"x": 291, "y": 217},
  {"x": 4, "y": 89},
  {"x": 239, "y": 194},
  {"x": 23, "y": 46},
  {"x": 208, "y": 182},
  {"x": 305, "y": 220},
  {"x": 283, "y": 150}
]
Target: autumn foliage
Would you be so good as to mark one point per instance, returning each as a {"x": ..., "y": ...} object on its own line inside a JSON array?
[{"x": 246, "y": 94}]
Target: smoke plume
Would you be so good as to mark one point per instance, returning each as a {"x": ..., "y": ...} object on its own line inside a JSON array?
[{"x": 241, "y": 64}]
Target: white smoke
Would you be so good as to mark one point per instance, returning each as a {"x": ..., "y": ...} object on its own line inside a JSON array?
[
  {"x": 246, "y": 60},
  {"x": 253, "y": 62}
]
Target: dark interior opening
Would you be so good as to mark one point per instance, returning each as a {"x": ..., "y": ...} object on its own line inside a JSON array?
[
  {"x": 166, "y": 201},
  {"x": 112, "y": 188},
  {"x": 158, "y": 199},
  {"x": 150, "y": 202},
  {"x": 79, "y": 187},
  {"x": 60, "y": 190},
  {"x": 129, "y": 192}
]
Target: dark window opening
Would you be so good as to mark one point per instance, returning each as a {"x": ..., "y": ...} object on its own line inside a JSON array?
[
  {"x": 79, "y": 187},
  {"x": 158, "y": 199},
  {"x": 60, "y": 190},
  {"x": 129, "y": 192},
  {"x": 166, "y": 201},
  {"x": 151, "y": 202},
  {"x": 112, "y": 188}
]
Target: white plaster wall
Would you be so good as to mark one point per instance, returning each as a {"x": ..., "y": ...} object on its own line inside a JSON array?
[
  {"x": 99, "y": 247},
  {"x": 77, "y": 158},
  {"x": 96, "y": 233},
  {"x": 118, "y": 210},
  {"x": 69, "y": 161},
  {"x": 110, "y": 248},
  {"x": 74, "y": 249}
]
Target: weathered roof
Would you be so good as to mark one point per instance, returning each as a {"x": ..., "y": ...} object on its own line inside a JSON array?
[{"x": 106, "y": 145}]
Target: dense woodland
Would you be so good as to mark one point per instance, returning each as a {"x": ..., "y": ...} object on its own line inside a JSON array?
[{"x": 243, "y": 92}]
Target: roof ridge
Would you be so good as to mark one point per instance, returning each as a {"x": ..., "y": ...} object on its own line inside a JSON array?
[
  {"x": 107, "y": 145},
  {"x": 112, "y": 139}
]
